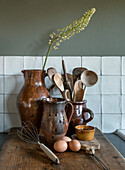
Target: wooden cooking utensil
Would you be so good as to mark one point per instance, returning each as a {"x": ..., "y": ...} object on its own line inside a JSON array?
[
  {"x": 89, "y": 78},
  {"x": 67, "y": 95},
  {"x": 77, "y": 73},
  {"x": 65, "y": 80},
  {"x": 70, "y": 79},
  {"x": 59, "y": 75},
  {"x": 77, "y": 87},
  {"x": 58, "y": 82},
  {"x": 79, "y": 95},
  {"x": 51, "y": 72}
]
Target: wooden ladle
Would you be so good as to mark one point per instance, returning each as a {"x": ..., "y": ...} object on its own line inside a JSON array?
[
  {"x": 77, "y": 73},
  {"x": 89, "y": 78}
]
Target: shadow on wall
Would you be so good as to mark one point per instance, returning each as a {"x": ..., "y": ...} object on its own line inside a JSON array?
[{"x": 12, "y": 118}]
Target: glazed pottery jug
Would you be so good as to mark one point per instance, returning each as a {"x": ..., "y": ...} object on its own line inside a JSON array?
[
  {"x": 32, "y": 91},
  {"x": 55, "y": 120},
  {"x": 80, "y": 115}
]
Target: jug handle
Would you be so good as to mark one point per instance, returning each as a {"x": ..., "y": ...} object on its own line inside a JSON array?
[
  {"x": 71, "y": 114},
  {"x": 90, "y": 112}
]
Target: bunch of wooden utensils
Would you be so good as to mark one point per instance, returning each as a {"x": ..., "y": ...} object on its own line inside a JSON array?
[{"x": 72, "y": 87}]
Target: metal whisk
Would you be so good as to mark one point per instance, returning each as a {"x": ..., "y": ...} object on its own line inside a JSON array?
[{"x": 29, "y": 133}]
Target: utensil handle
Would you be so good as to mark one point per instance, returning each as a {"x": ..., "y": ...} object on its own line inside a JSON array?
[
  {"x": 64, "y": 70},
  {"x": 49, "y": 153},
  {"x": 72, "y": 110},
  {"x": 90, "y": 112}
]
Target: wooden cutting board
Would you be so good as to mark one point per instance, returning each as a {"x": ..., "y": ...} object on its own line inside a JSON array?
[{"x": 88, "y": 146}]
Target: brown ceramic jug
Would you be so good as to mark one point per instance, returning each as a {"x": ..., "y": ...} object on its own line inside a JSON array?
[
  {"x": 55, "y": 120},
  {"x": 80, "y": 115},
  {"x": 32, "y": 91}
]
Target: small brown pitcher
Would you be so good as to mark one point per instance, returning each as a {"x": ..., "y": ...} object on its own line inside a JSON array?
[
  {"x": 55, "y": 120},
  {"x": 80, "y": 115}
]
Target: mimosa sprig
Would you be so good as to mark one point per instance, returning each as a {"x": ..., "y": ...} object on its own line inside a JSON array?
[{"x": 67, "y": 32}]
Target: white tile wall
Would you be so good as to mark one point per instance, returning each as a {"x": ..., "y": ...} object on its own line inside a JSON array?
[
  {"x": 55, "y": 62},
  {"x": 123, "y": 84},
  {"x": 111, "y": 65},
  {"x": 13, "y": 65},
  {"x": 1, "y": 103},
  {"x": 106, "y": 99},
  {"x": 123, "y": 65},
  {"x": 123, "y": 104},
  {"x": 96, "y": 122},
  {"x": 96, "y": 89},
  {"x": 93, "y": 103},
  {"x": 72, "y": 62},
  {"x": 111, "y": 122},
  {"x": 32, "y": 62},
  {"x": 13, "y": 84},
  {"x": 123, "y": 121},
  {"x": 92, "y": 63},
  {"x": 1, "y": 84},
  {"x": 1, "y": 123},
  {"x": 1, "y": 65},
  {"x": 111, "y": 84},
  {"x": 111, "y": 104},
  {"x": 10, "y": 103}
]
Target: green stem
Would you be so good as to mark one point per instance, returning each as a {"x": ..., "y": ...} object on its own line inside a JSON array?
[
  {"x": 47, "y": 54},
  {"x": 51, "y": 46}
]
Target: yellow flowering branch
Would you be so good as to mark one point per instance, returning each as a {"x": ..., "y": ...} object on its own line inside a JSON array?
[{"x": 67, "y": 32}]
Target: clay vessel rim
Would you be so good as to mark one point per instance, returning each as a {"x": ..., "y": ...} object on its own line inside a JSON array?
[
  {"x": 32, "y": 70},
  {"x": 79, "y": 102},
  {"x": 53, "y": 100},
  {"x": 82, "y": 128}
]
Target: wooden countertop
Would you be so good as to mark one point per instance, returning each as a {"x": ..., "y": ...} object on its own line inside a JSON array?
[{"x": 17, "y": 154}]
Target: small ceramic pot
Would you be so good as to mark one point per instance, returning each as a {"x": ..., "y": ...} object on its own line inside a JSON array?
[
  {"x": 80, "y": 115},
  {"x": 85, "y": 133}
]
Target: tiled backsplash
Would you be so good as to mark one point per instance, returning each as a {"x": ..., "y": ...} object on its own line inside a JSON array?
[{"x": 106, "y": 99}]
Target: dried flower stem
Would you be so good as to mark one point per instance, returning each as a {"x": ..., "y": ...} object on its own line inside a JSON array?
[{"x": 67, "y": 32}]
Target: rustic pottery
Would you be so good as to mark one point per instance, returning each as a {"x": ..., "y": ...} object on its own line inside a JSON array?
[
  {"x": 32, "y": 91},
  {"x": 80, "y": 115},
  {"x": 55, "y": 120},
  {"x": 85, "y": 133}
]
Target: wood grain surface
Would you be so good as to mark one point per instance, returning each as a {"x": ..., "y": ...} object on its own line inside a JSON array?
[{"x": 17, "y": 154}]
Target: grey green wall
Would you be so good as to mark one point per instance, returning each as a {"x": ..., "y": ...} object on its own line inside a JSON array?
[{"x": 25, "y": 26}]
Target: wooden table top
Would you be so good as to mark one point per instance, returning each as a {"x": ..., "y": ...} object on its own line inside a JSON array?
[{"x": 17, "y": 154}]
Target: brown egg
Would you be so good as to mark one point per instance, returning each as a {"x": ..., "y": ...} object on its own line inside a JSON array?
[
  {"x": 60, "y": 146},
  {"x": 66, "y": 139},
  {"x": 75, "y": 145}
]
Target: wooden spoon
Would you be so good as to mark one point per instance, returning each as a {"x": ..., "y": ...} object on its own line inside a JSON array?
[
  {"x": 77, "y": 73},
  {"x": 77, "y": 87},
  {"x": 89, "y": 78},
  {"x": 58, "y": 82},
  {"x": 51, "y": 72},
  {"x": 79, "y": 95}
]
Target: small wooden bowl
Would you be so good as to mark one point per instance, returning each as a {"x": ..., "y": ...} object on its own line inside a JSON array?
[{"x": 84, "y": 132}]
